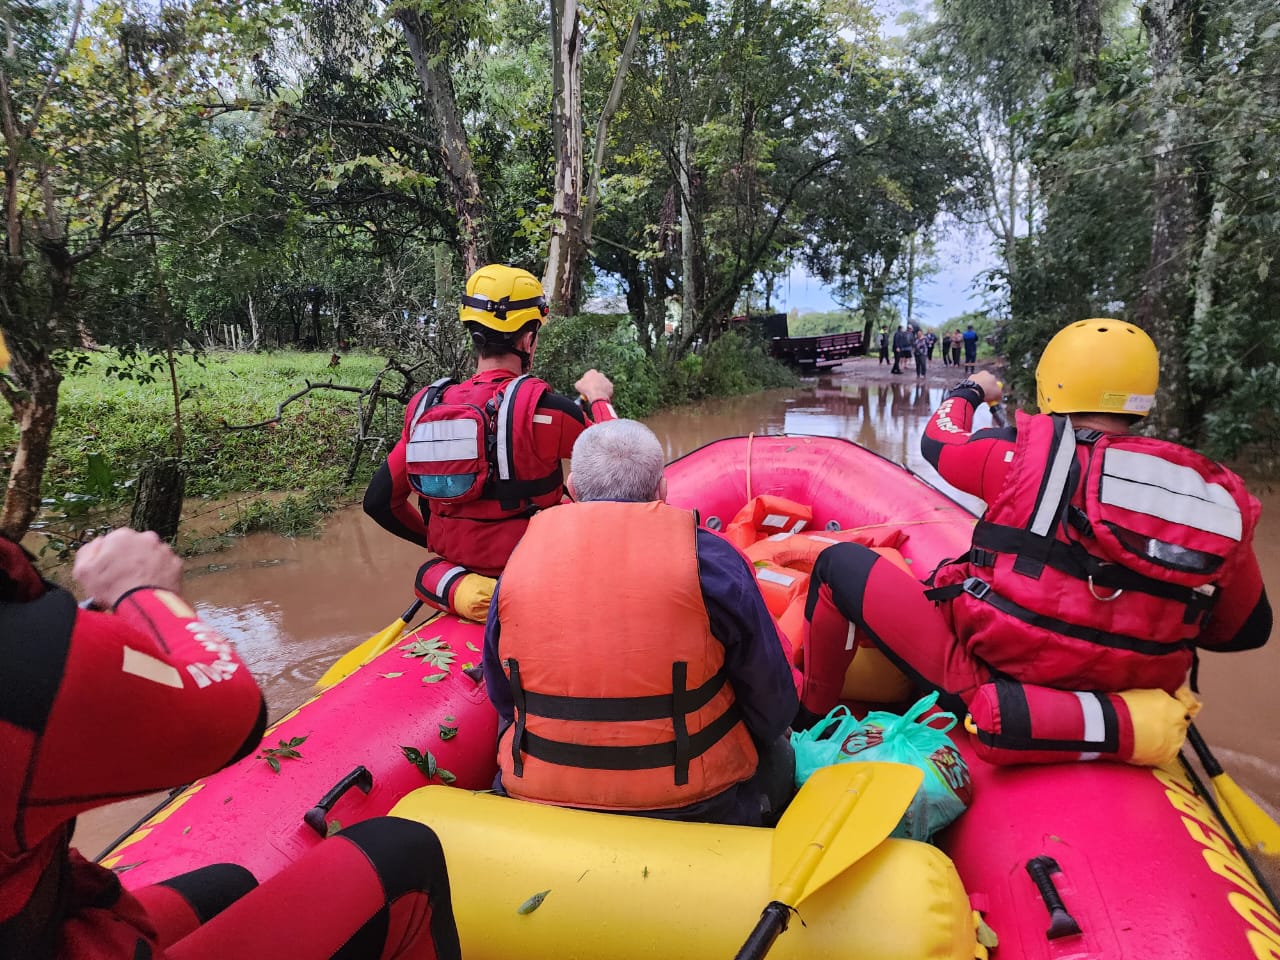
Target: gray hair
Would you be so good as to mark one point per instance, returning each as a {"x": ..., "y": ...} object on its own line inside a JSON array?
[{"x": 617, "y": 460}]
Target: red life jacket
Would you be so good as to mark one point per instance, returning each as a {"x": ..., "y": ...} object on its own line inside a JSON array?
[
  {"x": 470, "y": 457},
  {"x": 624, "y": 705},
  {"x": 1097, "y": 564}
]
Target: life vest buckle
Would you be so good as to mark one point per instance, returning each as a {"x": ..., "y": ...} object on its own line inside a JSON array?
[
  {"x": 1101, "y": 599},
  {"x": 976, "y": 587}
]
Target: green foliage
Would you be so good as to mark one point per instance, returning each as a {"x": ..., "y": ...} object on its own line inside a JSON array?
[{"x": 286, "y": 750}]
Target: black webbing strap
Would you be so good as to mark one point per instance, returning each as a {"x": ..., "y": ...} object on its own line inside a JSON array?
[
  {"x": 680, "y": 709},
  {"x": 981, "y": 590},
  {"x": 647, "y": 757},
  {"x": 509, "y": 493},
  {"x": 610, "y": 709},
  {"x": 517, "y": 699},
  {"x": 1075, "y": 561}
]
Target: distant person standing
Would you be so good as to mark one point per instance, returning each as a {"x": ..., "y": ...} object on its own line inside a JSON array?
[
  {"x": 884, "y": 346},
  {"x": 970, "y": 349},
  {"x": 921, "y": 349},
  {"x": 901, "y": 348},
  {"x": 931, "y": 339},
  {"x": 955, "y": 341}
]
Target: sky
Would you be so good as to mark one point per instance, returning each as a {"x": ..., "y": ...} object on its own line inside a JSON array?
[{"x": 961, "y": 257}]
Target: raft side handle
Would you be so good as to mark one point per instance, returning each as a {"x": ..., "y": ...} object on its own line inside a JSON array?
[
  {"x": 315, "y": 817},
  {"x": 1061, "y": 923}
]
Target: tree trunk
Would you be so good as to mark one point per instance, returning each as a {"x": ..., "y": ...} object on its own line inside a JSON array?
[
  {"x": 562, "y": 279},
  {"x": 1163, "y": 309},
  {"x": 253, "y": 325},
  {"x": 1088, "y": 29},
  {"x": 688, "y": 282},
  {"x": 431, "y": 61},
  {"x": 158, "y": 503},
  {"x": 35, "y": 406}
]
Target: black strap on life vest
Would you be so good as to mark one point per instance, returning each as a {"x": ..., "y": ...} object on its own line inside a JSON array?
[
  {"x": 1017, "y": 731},
  {"x": 1072, "y": 559},
  {"x": 676, "y": 753},
  {"x": 979, "y": 589}
]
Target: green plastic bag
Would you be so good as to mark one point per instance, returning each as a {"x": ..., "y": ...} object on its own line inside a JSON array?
[{"x": 912, "y": 739}]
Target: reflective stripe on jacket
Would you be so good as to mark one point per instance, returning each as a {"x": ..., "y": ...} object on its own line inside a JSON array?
[{"x": 621, "y": 701}]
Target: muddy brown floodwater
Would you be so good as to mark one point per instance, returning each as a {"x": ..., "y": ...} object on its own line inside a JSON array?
[{"x": 294, "y": 606}]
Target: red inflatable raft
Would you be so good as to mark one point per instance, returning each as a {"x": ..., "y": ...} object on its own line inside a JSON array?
[{"x": 1134, "y": 856}]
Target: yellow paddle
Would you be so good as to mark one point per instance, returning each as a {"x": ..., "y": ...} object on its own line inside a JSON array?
[
  {"x": 380, "y": 642},
  {"x": 1251, "y": 823},
  {"x": 841, "y": 814}
]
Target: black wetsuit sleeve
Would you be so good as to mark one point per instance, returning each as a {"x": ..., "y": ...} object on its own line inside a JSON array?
[{"x": 377, "y": 504}]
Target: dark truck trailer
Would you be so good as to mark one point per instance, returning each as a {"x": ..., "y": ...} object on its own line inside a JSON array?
[
  {"x": 807, "y": 353},
  {"x": 828, "y": 350}
]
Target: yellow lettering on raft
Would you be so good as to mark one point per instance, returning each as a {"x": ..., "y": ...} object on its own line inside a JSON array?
[{"x": 1221, "y": 856}]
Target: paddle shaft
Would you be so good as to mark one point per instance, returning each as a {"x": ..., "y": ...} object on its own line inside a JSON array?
[
  {"x": 1207, "y": 760},
  {"x": 772, "y": 922}
]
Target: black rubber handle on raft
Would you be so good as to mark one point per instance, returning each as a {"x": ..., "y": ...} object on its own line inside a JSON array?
[
  {"x": 1061, "y": 923},
  {"x": 773, "y": 921},
  {"x": 315, "y": 817}
]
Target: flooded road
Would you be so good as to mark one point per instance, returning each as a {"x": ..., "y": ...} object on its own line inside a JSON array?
[{"x": 294, "y": 606}]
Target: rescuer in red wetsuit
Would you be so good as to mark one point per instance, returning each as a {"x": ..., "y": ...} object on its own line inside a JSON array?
[
  {"x": 100, "y": 706},
  {"x": 1103, "y": 560},
  {"x": 483, "y": 455}
]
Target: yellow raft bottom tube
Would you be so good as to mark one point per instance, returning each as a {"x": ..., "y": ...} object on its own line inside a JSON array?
[{"x": 620, "y": 887}]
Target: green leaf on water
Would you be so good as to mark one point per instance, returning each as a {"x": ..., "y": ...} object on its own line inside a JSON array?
[{"x": 533, "y": 903}]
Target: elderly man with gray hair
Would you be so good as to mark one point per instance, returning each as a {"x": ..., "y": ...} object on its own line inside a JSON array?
[{"x": 630, "y": 656}]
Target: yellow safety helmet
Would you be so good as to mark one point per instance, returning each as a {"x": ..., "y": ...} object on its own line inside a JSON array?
[
  {"x": 503, "y": 298},
  {"x": 1098, "y": 366}
]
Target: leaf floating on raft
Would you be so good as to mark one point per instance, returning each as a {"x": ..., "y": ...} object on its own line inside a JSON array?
[
  {"x": 472, "y": 647},
  {"x": 435, "y": 677},
  {"x": 422, "y": 759},
  {"x": 435, "y": 652},
  {"x": 446, "y": 776},
  {"x": 986, "y": 936},
  {"x": 287, "y": 750},
  {"x": 448, "y": 732},
  {"x": 391, "y": 676},
  {"x": 533, "y": 903},
  {"x": 332, "y": 827}
]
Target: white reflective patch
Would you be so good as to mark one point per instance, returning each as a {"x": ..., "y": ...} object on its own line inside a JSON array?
[
  {"x": 774, "y": 520},
  {"x": 799, "y": 525},
  {"x": 773, "y": 576},
  {"x": 1008, "y": 456},
  {"x": 1155, "y": 487},
  {"x": 612, "y": 412},
  {"x": 437, "y": 441},
  {"x": 1089, "y": 756},
  {"x": 850, "y": 639},
  {"x": 1059, "y": 470},
  {"x": 814, "y": 536},
  {"x": 1095, "y": 725},
  {"x": 543, "y": 418},
  {"x": 786, "y": 535},
  {"x": 139, "y": 664}
]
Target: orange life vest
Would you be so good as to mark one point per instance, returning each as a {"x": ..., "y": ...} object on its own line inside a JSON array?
[{"x": 620, "y": 704}]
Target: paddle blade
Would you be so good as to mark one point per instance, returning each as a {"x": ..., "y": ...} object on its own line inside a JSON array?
[
  {"x": 840, "y": 815},
  {"x": 357, "y": 657},
  {"x": 1252, "y": 824}
]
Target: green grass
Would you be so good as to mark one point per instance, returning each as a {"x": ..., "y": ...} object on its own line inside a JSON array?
[{"x": 122, "y": 423}]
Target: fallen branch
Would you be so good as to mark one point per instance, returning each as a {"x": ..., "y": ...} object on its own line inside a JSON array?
[{"x": 290, "y": 399}]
